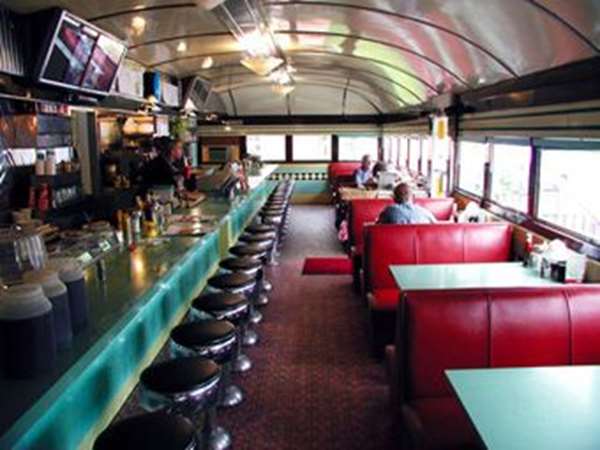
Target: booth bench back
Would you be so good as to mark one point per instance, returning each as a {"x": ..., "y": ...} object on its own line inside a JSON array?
[
  {"x": 387, "y": 245},
  {"x": 364, "y": 211},
  {"x": 342, "y": 169},
  {"x": 493, "y": 328}
]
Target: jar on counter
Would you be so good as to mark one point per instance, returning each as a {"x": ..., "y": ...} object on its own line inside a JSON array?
[
  {"x": 57, "y": 293},
  {"x": 40, "y": 164},
  {"x": 50, "y": 165},
  {"x": 27, "y": 338},
  {"x": 71, "y": 274}
]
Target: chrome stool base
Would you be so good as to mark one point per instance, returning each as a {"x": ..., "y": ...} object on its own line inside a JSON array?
[
  {"x": 232, "y": 396},
  {"x": 262, "y": 300},
  {"x": 219, "y": 439},
  {"x": 256, "y": 317},
  {"x": 250, "y": 338},
  {"x": 241, "y": 364},
  {"x": 266, "y": 285}
]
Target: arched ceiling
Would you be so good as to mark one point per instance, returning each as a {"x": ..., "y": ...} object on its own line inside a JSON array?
[{"x": 355, "y": 56}]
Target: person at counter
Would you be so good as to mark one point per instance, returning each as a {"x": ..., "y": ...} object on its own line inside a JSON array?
[
  {"x": 404, "y": 211},
  {"x": 169, "y": 167}
]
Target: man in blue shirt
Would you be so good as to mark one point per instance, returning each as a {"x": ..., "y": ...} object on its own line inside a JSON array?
[
  {"x": 364, "y": 174},
  {"x": 404, "y": 211}
]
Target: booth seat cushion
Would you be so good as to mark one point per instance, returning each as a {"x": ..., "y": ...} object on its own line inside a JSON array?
[
  {"x": 387, "y": 245},
  {"x": 481, "y": 328},
  {"x": 441, "y": 423}
]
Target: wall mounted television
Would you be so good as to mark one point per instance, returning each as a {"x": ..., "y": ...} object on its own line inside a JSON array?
[
  {"x": 196, "y": 92},
  {"x": 79, "y": 56}
]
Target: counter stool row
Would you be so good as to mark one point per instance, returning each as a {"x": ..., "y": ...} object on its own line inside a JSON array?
[{"x": 208, "y": 348}]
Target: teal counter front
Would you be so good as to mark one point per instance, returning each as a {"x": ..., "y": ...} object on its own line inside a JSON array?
[{"x": 144, "y": 294}]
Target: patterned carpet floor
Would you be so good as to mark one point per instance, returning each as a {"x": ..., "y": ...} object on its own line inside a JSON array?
[{"x": 313, "y": 384}]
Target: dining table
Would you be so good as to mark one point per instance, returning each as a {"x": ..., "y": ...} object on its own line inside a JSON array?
[{"x": 549, "y": 408}]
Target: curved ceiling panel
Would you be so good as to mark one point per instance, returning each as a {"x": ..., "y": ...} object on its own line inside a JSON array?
[
  {"x": 91, "y": 8},
  {"x": 259, "y": 100},
  {"x": 161, "y": 24},
  {"x": 516, "y": 32},
  {"x": 356, "y": 105},
  {"x": 421, "y": 48},
  {"x": 384, "y": 99},
  {"x": 581, "y": 16}
]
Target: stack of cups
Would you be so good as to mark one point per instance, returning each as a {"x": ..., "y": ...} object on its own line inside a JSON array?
[
  {"x": 56, "y": 291},
  {"x": 27, "y": 338},
  {"x": 71, "y": 273}
]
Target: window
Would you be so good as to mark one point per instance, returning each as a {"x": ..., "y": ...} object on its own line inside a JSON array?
[
  {"x": 312, "y": 147},
  {"x": 569, "y": 187},
  {"x": 473, "y": 156},
  {"x": 510, "y": 175},
  {"x": 414, "y": 155},
  {"x": 403, "y": 154},
  {"x": 267, "y": 147},
  {"x": 425, "y": 155},
  {"x": 354, "y": 148}
]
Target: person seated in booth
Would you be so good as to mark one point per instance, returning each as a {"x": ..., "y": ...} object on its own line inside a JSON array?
[
  {"x": 363, "y": 176},
  {"x": 404, "y": 211}
]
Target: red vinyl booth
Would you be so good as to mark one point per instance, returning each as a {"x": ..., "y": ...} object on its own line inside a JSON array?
[
  {"x": 343, "y": 170},
  {"x": 387, "y": 245},
  {"x": 465, "y": 329},
  {"x": 364, "y": 211}
]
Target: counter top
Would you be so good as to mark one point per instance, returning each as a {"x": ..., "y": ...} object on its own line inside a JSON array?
[{"x": 145, "y": 293}]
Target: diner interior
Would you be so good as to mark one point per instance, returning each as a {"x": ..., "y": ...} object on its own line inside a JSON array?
[{"x": 299, "y": 224}]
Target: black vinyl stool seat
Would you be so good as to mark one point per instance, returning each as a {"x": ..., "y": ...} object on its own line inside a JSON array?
[
  {"x": 235, "y": 282},
  {"x": 179, "y": 381},
  {"x": 235, "y": 308},
  {"x": 260, "y": 228},
  {"x": 247, "y": 265},
  {"x": 258, "y": 237},
  {"x": 187, "y": 386},
  {"x": 152, "y": 431},
  {"x": 214, "y": 339},
  {"x": 251, "y": 250},
  {"x": 223, "y": 306}
]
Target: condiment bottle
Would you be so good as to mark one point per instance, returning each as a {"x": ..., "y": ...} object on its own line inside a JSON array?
[{"x": 70, "y": 272}]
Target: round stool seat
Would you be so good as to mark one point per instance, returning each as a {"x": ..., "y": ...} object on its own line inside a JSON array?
[
  {"x": 253, "y": 250},
  {"x": 153, "y": 431},
  {"x": 260, "y": 228},
  {"x": 259, "y": 238},
  {"x": 203, "y": 333},
  {"x": 222, "y": 305},
  {"x": 241, "y": 264},
  {"x": 181, "y": 375},
  {"x": 273, "y": 211},
  {"x": 235, "y": 281}
]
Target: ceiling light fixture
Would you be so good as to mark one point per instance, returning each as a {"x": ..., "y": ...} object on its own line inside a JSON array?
[
  {"x": 138, "y": 24},
  {"x": 261, "y": 65},
  {"x": 182, "y": 47},
  {"x": 207, "y": 62}
]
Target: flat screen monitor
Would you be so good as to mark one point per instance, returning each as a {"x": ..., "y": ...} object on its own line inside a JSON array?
[
  {"x": 80, "y": 56},
  {"x": 195, "y": 93}
]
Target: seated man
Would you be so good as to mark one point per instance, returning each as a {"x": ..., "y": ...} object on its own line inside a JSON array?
[
  {"x": 364, "y": 174},
  {"x": 404, "y": 211}
]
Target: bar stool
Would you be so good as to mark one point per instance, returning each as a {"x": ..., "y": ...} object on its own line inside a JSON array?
[
  {"x": 212, "y": 339},
  {"x": 249, "y": 266},
  {"x": 238, "y": 283},
  {"x": 234, "y": 308},
  {"x": 187, "y": 386},
  {"x": 151, "y": 431},
  {"x": 268, "y": 239}
]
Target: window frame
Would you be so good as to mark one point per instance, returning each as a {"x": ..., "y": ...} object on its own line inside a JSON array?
[{"x": 458, "y": 169}]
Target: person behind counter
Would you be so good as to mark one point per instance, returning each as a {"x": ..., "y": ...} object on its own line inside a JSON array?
[{"x": 169, "y": 167}]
